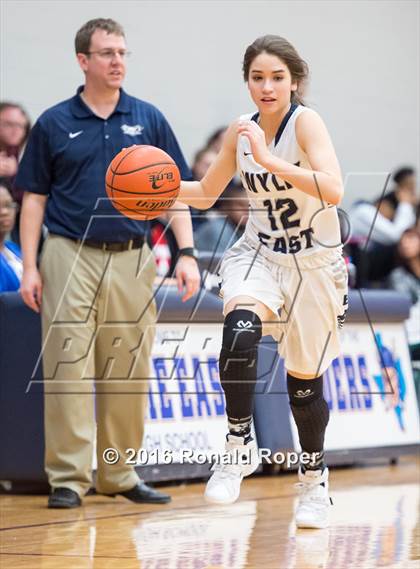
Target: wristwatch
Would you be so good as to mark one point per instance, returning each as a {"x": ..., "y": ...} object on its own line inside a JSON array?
[{"x": 188, "y": 252}]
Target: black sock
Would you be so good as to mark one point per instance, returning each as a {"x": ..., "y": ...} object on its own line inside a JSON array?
[{"x": 311, "y": 414}]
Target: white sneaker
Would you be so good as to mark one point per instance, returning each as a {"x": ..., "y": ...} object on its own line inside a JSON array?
[
  {"x": 314, "y": 503},
  {"x": 224, "y": 485}
]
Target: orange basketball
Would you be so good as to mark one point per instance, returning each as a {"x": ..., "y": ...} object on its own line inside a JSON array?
[{"x": 142, "y": 182}]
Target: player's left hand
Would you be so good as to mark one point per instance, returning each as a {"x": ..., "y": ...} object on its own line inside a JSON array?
[
  {"x": 187, "y": 276},
  {"x": 256, "y": 137}
]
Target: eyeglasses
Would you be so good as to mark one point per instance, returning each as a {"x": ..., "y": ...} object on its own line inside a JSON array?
[
  {"x": 110, "y": 54},
  {"x": 10, "y": 124},
  {"x": 10, "y": 206}
]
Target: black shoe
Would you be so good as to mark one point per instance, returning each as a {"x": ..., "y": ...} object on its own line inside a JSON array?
[
  {"x": 144, "y": 494},
  {"x": 64, "y": 498}
]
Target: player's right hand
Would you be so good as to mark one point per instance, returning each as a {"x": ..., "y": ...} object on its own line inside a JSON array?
[{"x": 31, "y": 288}]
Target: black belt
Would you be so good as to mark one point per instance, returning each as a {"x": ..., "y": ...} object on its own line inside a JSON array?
[{"x": 116, "y": 246}]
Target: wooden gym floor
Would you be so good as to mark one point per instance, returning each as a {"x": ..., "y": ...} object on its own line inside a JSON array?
[{"x": 375, "y": 523}]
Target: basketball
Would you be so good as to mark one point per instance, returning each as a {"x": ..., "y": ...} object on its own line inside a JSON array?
[{"x": 142, "y": 182}]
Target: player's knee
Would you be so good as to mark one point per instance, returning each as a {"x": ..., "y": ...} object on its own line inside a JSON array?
[
  {"x": 239, "y": 354},
  {"x": 242, "y": 331}
]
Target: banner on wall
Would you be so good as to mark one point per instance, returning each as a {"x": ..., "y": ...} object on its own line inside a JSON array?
[{"x": 370, "y": 390}]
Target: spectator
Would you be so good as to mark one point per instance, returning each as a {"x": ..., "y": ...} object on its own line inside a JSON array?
[
  {"x": 406, "y": 279},
  {"x": 382, "y": 223},
  {"x": 215, "y": 140},
  {"x": 10, "y": 256},
  {"x": 14, "y": 131},
  {"x": 202, "y": 162},
  {"x": 390, "y": 222},
  {"x": 405, "y": 180},
  {"x": 96, "y": 275},
  {"x": 224, "y": 226}
]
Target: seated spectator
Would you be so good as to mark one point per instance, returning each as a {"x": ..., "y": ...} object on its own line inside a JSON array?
[
  {"x": 406, "y": 279},
  {"x": 11, "y": 267},
  {"x": 390, "y": 222},
  {"x": 14, "y": 131},
  {"x": 225, "y": 225},
  {"x": 382, "y": 223}
]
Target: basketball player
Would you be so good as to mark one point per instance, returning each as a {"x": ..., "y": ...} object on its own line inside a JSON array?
[{"x": 286, "y": 274}]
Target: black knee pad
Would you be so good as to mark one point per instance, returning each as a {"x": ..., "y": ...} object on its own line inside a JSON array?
[
  {"x": 310, "y": 411},
  {"x": 241, "y": 331},
  {"x": 238, "y": 361}
]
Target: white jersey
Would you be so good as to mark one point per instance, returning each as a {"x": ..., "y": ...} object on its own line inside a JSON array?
[{"x": 283, "y": 218}]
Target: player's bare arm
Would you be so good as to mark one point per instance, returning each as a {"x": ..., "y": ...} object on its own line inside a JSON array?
[
  {"x": 203, "y": 194},
  {"x": 313, "y": 138}
]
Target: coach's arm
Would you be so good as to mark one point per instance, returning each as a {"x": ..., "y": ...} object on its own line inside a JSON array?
[
  {"x": 31, "y": 219},
  {"x": 186, "y": 270}
]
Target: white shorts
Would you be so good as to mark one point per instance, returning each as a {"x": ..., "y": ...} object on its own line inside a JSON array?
[{"x": 308, "y": 298}]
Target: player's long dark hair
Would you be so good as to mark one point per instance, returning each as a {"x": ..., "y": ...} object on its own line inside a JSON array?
[{"x": 276, "y": 45}]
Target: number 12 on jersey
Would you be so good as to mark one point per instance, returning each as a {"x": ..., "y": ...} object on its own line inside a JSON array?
[{"x": 285, "y": 244}]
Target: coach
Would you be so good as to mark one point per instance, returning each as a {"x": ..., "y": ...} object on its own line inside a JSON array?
[{"x": 94, "y": 287}]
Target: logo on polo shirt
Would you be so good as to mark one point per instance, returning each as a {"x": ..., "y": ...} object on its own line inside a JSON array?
[
  {"x": 132, "y": 130},
  {"x": 74, "y": 134}
]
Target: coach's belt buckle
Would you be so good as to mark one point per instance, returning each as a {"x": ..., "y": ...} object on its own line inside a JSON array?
[
  {"x": 130, "y": 245},
  {"x": 116, "y": 247}
]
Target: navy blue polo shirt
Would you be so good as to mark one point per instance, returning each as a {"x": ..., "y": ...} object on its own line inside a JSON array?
[{"x": 67, "y": 155}]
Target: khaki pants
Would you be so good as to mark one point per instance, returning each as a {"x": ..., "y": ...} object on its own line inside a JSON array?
[{"x": 98, "y": 322}]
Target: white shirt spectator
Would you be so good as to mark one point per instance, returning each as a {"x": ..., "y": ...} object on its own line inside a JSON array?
[{"x": 384, "y": 231}]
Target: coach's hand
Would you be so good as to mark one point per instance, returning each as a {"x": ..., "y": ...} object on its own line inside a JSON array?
[
  {"x": 31, "y": 288},
  {"x": 187, "y": 276}
]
